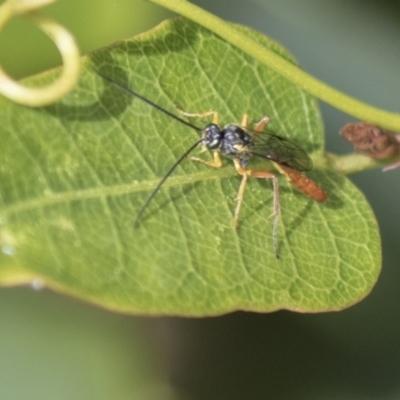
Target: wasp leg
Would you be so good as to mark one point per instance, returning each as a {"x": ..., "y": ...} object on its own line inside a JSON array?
[
  {"x": 216, "y": 162},
  {"x": 200, "y": 115},
  {"x": 245, "y": 121},
  {"x": 260, "y": 126},
  {"x": 239, "y": 200},
  {"x": 259, "y": 174}
]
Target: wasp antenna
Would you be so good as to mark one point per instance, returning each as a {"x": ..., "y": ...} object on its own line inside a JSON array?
[
  {"x": 162, "y": 181},
  {"x": 149, "y": 102}
]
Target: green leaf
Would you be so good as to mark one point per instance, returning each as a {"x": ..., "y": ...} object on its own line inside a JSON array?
[{"x": 74, "y": 175}]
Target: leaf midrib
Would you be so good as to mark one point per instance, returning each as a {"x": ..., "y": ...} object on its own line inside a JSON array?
[
  {"x": 113, "y": 191},
  {"x": 118, "y": 190}
]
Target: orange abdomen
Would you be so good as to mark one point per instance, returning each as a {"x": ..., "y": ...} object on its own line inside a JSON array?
[{"x": 304, "y": 184}]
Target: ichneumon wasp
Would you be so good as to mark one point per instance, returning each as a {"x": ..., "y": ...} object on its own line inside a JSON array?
[{"x": 239, "y": 143}]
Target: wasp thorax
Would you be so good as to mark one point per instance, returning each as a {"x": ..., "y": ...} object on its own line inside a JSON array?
[{"x": 212, "y": 136}]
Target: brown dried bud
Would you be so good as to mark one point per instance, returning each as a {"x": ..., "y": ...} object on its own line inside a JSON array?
[{"x": 371, "y": 140}]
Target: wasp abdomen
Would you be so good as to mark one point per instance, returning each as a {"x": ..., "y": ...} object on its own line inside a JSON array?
[{"x": 304, "y": 184}]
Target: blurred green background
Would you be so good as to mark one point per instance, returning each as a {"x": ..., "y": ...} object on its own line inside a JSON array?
[{"x": 53, "y": 347}]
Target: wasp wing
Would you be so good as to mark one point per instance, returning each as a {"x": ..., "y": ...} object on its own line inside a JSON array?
[{"x": 280, "y": 150}]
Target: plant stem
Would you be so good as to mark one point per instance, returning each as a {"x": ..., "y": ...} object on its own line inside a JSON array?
[
  {"x": 291, "y": 72},
  {"x": 352, "y": 163}
]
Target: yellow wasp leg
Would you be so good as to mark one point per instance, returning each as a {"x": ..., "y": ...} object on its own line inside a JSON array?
[
  {"x": 245, "y": 121},
  {"x": 239, "y": 200},
  {"x": 216, "y": 162},
  {"x": 259, "y": 174},
  {"x": 260, "y": 126},
  {"x": 200, "y": 115}
]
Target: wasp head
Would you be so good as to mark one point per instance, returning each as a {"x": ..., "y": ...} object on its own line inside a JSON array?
[{"x": 212, "y": 136}]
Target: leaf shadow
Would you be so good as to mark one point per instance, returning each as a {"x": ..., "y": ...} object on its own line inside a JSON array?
[
  {"x": 106, "y": 62},
  {"x": 331, "y": 183},
  {"x": 109, "y": 103}
]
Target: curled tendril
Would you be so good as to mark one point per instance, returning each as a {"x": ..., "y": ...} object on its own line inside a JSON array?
[{"x": 36, "y": 97}]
